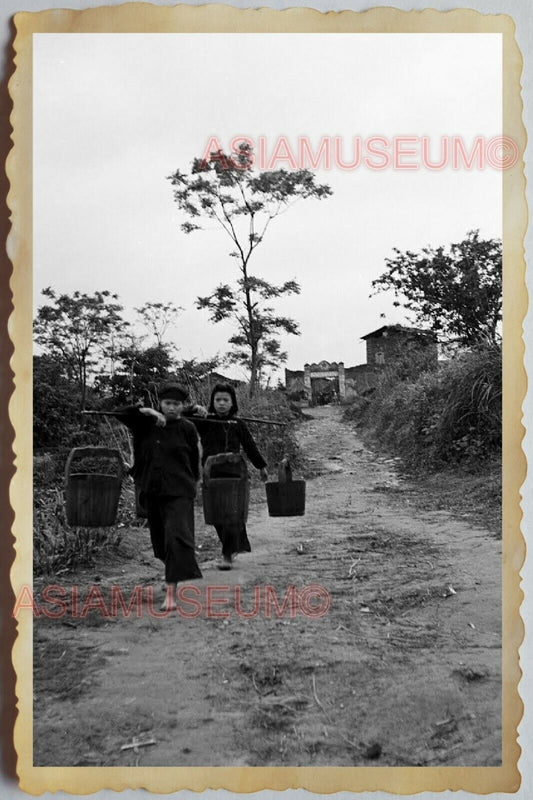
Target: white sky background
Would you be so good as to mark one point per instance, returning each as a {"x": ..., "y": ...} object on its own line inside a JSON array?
[{"x": 114, "y": 114}]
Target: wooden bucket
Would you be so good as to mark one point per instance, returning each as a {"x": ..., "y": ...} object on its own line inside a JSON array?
[
  {"x": 285, "y": 497},
  {"x": 91, "y": 498},
  {"x": 226, "y": 490}
]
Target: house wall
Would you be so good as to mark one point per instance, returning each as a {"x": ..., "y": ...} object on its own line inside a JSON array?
[
  {"x": 383, "y": 349},
  {"x": 360, "y": 379},
  {"x": 294, "y": 383}
]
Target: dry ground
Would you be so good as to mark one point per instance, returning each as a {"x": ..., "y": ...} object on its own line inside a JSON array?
[{"x": 404, "y": 668}]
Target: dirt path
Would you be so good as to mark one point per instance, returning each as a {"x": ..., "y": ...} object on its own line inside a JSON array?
[{"x": 404, "y": 668}]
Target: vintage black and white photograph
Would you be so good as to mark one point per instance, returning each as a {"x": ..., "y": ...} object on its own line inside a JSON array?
[{"x": 267, "y": 399}]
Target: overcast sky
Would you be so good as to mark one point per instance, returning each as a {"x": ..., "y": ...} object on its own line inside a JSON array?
[{"x": 115, "y": 114}]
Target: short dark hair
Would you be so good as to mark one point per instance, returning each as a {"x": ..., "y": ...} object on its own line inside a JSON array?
[{"x": 227, "y": 388}]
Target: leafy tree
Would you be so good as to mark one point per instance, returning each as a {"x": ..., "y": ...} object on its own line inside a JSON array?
[
  {"x": 76, "y": 330},
  {"x": 198, "y": 370},
  {"x": 137, "y": 373},
  {"x": 197, "y": 377},
  {"x": 243, "y": 203},
  {"x": 158, "y": 317},
  {"x": 55, "y": 403},
  {"x": 457, "y": 291}
]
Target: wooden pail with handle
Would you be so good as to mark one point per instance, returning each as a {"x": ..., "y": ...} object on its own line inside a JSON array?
[
  {"x": 226, "y": 490},
  {"x": 285, "y": 497},
  {"x": 91, "y": 498}
]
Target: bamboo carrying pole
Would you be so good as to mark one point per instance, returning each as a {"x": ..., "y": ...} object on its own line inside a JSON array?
[{"x": 206, "y": 419}]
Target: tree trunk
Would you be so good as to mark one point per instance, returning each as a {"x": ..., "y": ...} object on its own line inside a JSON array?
[
  {"x": 82, "y": 383},
  {"x": 251, "y": 326},
  {"x": 253, "y": 371},
  {"x": 83, "y": 394}
]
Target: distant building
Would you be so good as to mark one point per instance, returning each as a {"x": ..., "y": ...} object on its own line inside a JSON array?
[
  {"x": 328, "y": 381},
  {"x": 216, "y": 377},
  {"x": 387, "y": 344}
]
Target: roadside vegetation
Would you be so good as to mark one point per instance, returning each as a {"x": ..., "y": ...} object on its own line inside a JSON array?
[
  {"x": 444, "y": 424},
  {"x": 441, "y": 417},
  {"x": 444, "y": 420}
]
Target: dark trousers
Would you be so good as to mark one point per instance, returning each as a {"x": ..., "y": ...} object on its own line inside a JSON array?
[
  {"x": 234, "y": 539},
  {"x": 171, "y": 524}
]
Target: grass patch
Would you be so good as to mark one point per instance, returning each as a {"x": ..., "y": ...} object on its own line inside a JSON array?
[{"x": 477, "y": 496}]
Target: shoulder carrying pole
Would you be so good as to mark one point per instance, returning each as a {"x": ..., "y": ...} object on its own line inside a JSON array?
[{"x": 203, "y": 419}]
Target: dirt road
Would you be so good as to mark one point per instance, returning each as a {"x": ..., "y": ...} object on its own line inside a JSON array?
[{"x": 403, "y": 669}]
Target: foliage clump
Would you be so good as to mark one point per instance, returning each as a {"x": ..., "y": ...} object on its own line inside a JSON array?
[
  {"x": 446, "y": 416},
  {"x": 456, "y": 290}
]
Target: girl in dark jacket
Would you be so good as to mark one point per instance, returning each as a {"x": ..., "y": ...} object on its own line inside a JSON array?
[{"x": 231, "y": 438}]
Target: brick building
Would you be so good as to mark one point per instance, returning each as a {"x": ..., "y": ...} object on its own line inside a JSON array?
[{"x": 387, "y": 344}]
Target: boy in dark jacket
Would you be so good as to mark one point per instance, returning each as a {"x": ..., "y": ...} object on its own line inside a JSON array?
[{"x": 167, "y": 470}]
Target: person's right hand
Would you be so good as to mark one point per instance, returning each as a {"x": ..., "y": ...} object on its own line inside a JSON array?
[{"x": 160, "y": 419}]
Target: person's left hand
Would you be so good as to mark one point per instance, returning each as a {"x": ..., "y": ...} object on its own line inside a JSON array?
[{"x": 200, "y": 411}]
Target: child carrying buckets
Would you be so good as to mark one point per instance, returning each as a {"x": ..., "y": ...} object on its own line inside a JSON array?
[
  {"x": 167, "y": 470},
  {"x": 218, "y": 438}
]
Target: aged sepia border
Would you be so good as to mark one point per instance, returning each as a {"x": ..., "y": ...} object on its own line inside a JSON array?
[{"x": 146, "y": 18}]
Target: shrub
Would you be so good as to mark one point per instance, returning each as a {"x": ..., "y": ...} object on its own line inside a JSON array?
[
  {"x": 56, "y": 545},
  {"x": 356, "y": 409},
  {"x": 446, "y": 416},
  {"x": 470, "y": 424},
  {"x": 56, "y": 403}
]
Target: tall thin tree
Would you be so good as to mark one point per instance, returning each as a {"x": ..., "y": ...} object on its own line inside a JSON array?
[{"x": 243, "y": 203}]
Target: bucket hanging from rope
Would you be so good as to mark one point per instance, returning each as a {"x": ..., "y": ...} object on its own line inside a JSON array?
[
  {"x": 285, "y": 497},
  {"x": 91, "y": 498}
]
